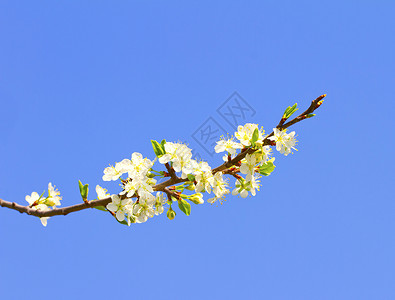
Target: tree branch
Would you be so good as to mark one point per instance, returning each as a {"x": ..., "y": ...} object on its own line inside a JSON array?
[{"x": 174, "y": 179}]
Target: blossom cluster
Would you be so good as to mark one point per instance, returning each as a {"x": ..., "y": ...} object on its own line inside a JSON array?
[
  {"x": 138, "y": 184},
  {"x": 248, "y": 153},
  {"x": 136, "y": 203},
  {"x": 200, "y": 173},
  {"x": 40, "y": 203}
]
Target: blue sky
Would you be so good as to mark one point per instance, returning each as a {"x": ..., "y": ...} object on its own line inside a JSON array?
[{"x": 86, "y": 83}]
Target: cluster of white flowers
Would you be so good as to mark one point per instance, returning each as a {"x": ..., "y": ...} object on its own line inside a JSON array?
[
  {"x": 219, "y": 188},
  {"x": 250, "y": 135},
  {"x": 197, "y": 175},
  {"x": 136, "y": 211},
  {"x": 284, "y": 142},
  {"x": 136, "y": 203},
  {"x": 38, "y": 202},
  {"x": 139, "y": 183},
  {"x": 180, "y": 156},
  {"x": 203, "y": 179}
]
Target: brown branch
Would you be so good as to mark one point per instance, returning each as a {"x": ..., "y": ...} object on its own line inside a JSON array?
[
  {"x": 171, "y": 194},
  {"x": 54, "y": 212},
  {"x": 171, "y": 171},
  {"x": 174, "y": 179}
]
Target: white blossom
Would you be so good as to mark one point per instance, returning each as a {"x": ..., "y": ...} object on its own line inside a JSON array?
[
  {"x": 101, "y": 192},
  {"x": 228, "y": 145},
  {"x": 240, "y": 189},
  {"x": 44, "y": 203},
  {"x": 53, "y": 198},
  {"x": 111, "y": 173},
  {"x": 254, "y": 184},
  {"x": 139, "y": 186},
  {"x": 139, "y": 166},
  {"x": 248, "y": 165},
  {"x": 244, "y": 134},
  {"x": 243, "y": 187},
  {"x": 203, "y": 176},
  {"x": 117, "y": 206},
  {"x": 284, "y": 142},
  {"x": 144, "y": 209},
  {"x": 159, "y": 202},
  {"x": 219, "y": 188},
  {"x": 33, "y": 198},
  {"x": 181, "y": 157}
]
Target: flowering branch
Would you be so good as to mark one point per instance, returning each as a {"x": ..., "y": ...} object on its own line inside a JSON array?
[
  {"x": 252, "y": 161},
  {"x": 313, "y": 106}
]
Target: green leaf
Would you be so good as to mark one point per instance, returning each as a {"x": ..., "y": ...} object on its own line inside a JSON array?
[
  {"x": 157, "y": 148},
  {"x": 184, "y": 206},
  {"x": 180, "y": 188},
  {"x": 290, "y": 110},
  {"x": 191, "y": 177},
  {"x": 84, "y": 189},
  {"x": 162, "y": 143},
  {"x": 267, "y": 168},
  {"x": 255, "y": 136},
  {"x": 287, "y": 111},
  {"x": 100, "y": 208},
  {"x": 80, "y": 185}
]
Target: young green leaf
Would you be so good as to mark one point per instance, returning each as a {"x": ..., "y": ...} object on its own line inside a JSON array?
[
  {"x": 157, "y": 148},
  {"x": 84, "y": 189},
  {"x": 162, "y": 144},
  {"x": 267, "y": 168},
  {"x": 255, "y": 136},
  {"x": 180, "y": 188},
  {"x": 290, "y": 110},
  {"x": 81, "y": 186},
  {"x": 100, "y": 208},
  {"x": 184, "y": 206},
  {"x": 191, "y": 177},
  {"x": 286, "y": 111}
]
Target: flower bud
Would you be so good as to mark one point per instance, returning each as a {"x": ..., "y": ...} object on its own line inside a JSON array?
[
  {"x": 196, "y": 198},
  {"x": 49, "y": 202},
  {"x": 150, "y": 175},
  {"x": 171, "y": 214},
  {"x": 190, "y": 187}
]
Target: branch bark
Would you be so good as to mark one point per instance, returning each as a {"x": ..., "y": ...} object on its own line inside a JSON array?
[{"x": 174, "y": 179}]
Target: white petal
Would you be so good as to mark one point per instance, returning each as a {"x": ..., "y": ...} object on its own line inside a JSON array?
[
  {"x": 244, "y": 169},
  {"x": 244, "y": 194},
  {"x": 44, "y": 221},
  {"x": 115, "y": 199},
  {"x": 165, "y": 158},
  {"x": 112, "y": 207},
  {"x": 120, "y": 215}
]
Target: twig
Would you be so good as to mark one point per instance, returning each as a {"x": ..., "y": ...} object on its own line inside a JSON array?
[{"x": 171, "y": 171}]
